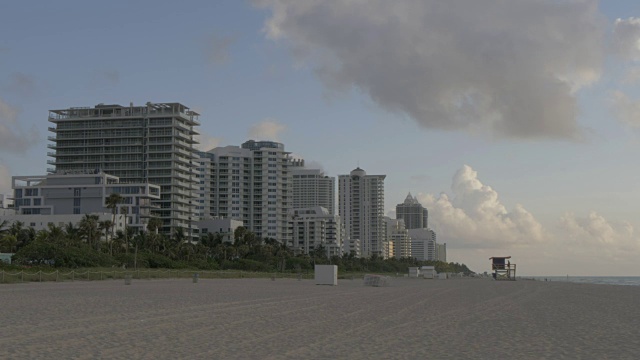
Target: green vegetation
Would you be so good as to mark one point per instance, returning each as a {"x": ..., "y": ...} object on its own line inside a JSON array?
[{"x": 93, "y": 244}]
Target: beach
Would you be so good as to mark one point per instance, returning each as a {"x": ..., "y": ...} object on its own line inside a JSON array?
[{"x": 292, "y": 319}]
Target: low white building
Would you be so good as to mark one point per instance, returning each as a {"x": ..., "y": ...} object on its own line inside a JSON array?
[
  {"x": 314, "y": 227},
  {"x": 41, "y": 222},
  {"x": 226, "y": 227},
  {"x": 82, "y": 193},
  {"x": 5, "y": 202}
]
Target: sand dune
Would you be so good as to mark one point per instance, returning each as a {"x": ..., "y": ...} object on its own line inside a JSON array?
[{"x": 290, "y": 319}]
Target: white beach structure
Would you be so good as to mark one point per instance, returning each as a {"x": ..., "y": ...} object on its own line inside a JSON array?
[
  {"x": 428, "y": 272},
  {"x": 326, "y": 274}
]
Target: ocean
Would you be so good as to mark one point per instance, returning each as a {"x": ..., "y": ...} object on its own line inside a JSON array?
[{"x": 600, "y": 280}]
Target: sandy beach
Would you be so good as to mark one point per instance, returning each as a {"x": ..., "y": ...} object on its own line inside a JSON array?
[{"x": 290, "y": 319}]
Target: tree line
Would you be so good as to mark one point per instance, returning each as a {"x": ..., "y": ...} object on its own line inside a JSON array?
[{"x": 95, "y": 243}]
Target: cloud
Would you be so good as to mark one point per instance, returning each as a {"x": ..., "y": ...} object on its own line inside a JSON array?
[
  {"x": 625, "y": 109},
  {"x": 217, "y": 48},
  {"x": 475, "y": 217},
  {"x": 268, "y": 129},
  {"x": 503, "y": 68},
  {"x": 12, "y": 137},
  {"x": 207, "y": 142},
  {"x": 596, "y": 236},
  {"x": 476, "y": 225},
  {"x": 626, "y": 38},
  {"x": 22, "y": 84}
]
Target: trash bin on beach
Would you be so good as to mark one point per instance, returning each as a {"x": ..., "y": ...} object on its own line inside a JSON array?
[
  {"x": 127, "y": 279},
  {"x": 195, "y": 277}
]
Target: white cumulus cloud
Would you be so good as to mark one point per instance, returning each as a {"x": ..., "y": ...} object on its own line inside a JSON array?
[
  {"x": 474, "y": 216},
  {"x": 504, "y": 68},
  {"x": 596, "y": 236},
  {"x": 476, "y": 225},
  {"x": 268, "y": 129}
]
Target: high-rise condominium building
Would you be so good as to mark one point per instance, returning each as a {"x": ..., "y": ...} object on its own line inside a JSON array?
[
  {"x": 415, "y": 216},
  {"x": 398, "y": 236},
  {"x": 311, "y": 187},
  {"x": 441, "y": 252},
  {"x": 361, "y": 207},
  {"x": 251, "y": 183},
  {"x": 423, "y": 244},
  {"x": 152, "y": 144}
]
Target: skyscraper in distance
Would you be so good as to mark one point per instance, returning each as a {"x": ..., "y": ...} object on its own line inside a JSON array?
[
  {"x": 415, "y": 216},
  {"x": 361, "y": 207}
]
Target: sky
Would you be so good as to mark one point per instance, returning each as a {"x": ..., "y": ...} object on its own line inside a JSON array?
[{"x": 515, "y": 122}]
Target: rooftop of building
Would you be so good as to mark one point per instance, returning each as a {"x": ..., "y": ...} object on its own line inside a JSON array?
[
  {"x": 115, "y": 110},
  {"x": 257, "y": 145}
]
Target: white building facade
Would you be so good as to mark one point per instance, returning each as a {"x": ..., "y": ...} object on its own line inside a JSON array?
[
  {"x": 152, "y": 144},
  {"x": 311, "y": 187},
  {"x": 361, "y": 208},
  {"x": 314, "y": 227},
  {"x": 251, "y": 183},
  {"x": 398, "y": 235},
  {"x": 423, "y": 244},
  {"x": 78, "y": 194},
  {"x": 224, "y": 227}
]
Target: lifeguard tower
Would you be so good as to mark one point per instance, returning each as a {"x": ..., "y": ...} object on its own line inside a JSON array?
[{"x": 502, "y": 268}]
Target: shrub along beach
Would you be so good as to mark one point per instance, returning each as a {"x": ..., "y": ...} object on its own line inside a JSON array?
[{"x": 91, "y": 245}]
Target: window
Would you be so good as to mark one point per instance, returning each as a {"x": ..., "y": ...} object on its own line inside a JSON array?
[{"x": 76, "y": 192}]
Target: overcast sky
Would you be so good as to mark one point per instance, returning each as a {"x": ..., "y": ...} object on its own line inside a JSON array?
[{"x": 515, "y": 122}]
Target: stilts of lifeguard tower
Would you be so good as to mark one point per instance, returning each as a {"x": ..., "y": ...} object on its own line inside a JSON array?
[{"x": 502, "y": 268}]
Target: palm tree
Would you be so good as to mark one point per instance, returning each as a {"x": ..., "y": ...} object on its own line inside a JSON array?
[
  {"x": 56, "y": 233},
  {"x": 112, "y": 201},
  {"x": 73, "y": 234},
  {"x": 154, "y": 224},
  {"x": 8, "y": 243},
  {"x": 104, "y": 227},
  {"x": 3, "y": 225},
  {"x": 89, "y": 228}
]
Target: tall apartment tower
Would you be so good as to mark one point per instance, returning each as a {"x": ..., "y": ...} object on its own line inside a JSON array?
[
  {"x": 361, "y": 207},
  {"x": 251, "y": 183},
  {"x": 311, "y": 187},
  {"x": 415, "y": 216},
  {"x": 398, "y": 235},
  {"x": 151, "y": 144}
]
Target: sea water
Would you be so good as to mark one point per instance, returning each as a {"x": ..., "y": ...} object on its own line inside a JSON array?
[{"x": 602, "y": 280}]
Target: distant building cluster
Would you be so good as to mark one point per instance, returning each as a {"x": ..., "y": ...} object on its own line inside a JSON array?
[{"x": 147, "y": 155}]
